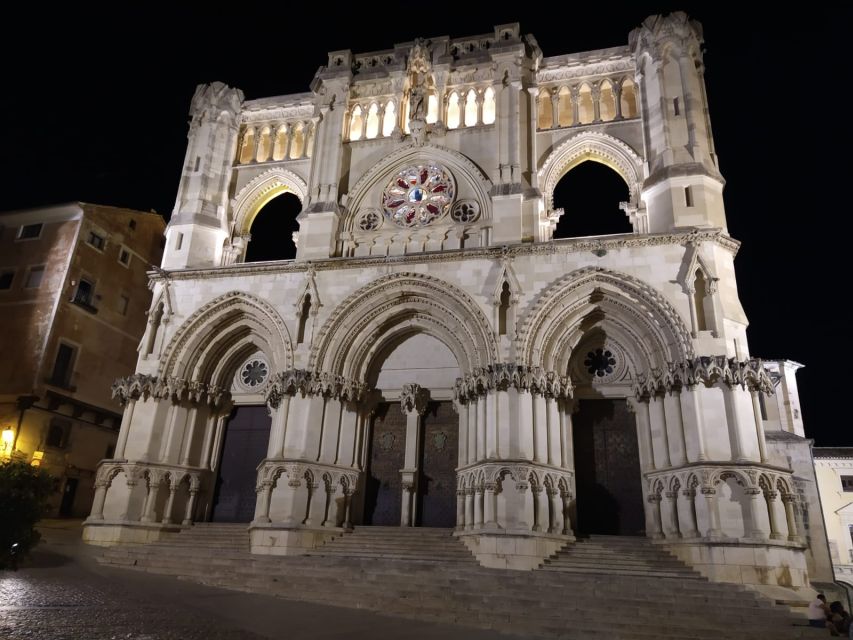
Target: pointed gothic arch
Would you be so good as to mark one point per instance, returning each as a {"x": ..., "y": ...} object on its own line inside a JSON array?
[
  {"x": 394, "y": 307},
  {"x": 210, "y": 343},
  {"x": 259, "y": 191},
  {"x": 471, "y": 180},
  {"x": 638, "y": 317},
  {"x": 598, "y": 147}
]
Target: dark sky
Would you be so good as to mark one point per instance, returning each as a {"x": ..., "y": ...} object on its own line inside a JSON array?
[{"x": 95, "y": 106}]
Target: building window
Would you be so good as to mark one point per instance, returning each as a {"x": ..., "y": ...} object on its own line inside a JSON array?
[
  {"x": 123, "y": 304},
  {"x": 6, "y": 278},
  {"x": 34, "y": 277},
  {"x": 57, "y": 434},
  {"x": 132, "y": 225},
  {"x": 179, "y": 241},
  {"x": 30, "y": 231},
  {"x": 85, "y": 294},
  {"x": 847, "y": 483},
  {"x": 688, "y": 196},
  {"x": 124, "y": 256},
  {"x": 96, "y": 240},
  {"x": 111, "y": 449},
  {"x": 63, "y": 366}
]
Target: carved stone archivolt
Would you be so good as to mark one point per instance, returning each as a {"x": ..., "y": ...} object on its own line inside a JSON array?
[
  {"x": 704, "y": 370},
  {"x": 502, "y": 376},
  {"x": 312, "y": 383},
  {"x": 175, "y": 389}
]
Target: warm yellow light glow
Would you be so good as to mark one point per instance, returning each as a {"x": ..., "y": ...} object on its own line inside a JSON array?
[
  {"x": 489, "y": 106},
  {"x": 390, "y": 120},
  {"x": 432, "y": 109},
  {"x": 453, "y": 111},
  {"x": 38, "y": 456},
  {"x": 372, "y": 129},
  {"x": 8, "y": 436},
  {"x": 6, "y": 440}
]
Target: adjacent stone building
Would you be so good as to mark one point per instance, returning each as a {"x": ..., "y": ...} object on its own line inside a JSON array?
[
  {"x": 73, "y": 295},
  {"x": 434, "y": 356},
  {"x": 834, "y": 470}
]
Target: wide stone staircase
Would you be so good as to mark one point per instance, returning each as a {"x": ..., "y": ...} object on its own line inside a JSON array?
[{"x": 605, "y": 587}]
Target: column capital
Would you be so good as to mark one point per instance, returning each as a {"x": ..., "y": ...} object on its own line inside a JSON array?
[{"x": 413, "y": 397}]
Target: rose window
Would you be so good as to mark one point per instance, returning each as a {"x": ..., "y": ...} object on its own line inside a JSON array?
[
  {"x": 418, "y": 195},
  {"x": 254, "y": 373},
  {"x": 599, "y": 362}
]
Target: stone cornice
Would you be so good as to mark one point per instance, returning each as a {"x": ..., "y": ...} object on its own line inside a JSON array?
[
  {"x": 502, "y": 376},
  {"x": 144, "y": 386},
  {"x": 310, "y": 383},
  {"x": 704, "y": 370},
  {"x": 554, "y": 247},
  {"x": 567, "y": 68}
]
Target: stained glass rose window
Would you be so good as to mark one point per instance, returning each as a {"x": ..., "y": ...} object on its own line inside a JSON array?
[{"x": 418, "y": 195}]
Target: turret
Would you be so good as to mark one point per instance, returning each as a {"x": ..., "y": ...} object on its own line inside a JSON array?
[
  {"x": 684, "y": 186},
  {"x": 198, "y": 227}
]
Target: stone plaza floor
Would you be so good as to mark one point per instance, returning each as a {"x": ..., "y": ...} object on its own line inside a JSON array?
[{"x": 62, "y": 593}]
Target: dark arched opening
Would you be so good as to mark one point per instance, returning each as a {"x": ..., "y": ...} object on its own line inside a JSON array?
[
  {"x": 590, "y": 194},
  {"x": 272, "y": 230}
]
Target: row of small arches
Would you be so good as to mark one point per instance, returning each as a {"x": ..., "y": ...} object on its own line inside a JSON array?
[
  {"x": 276, "y": 142},
  {"x": 460, "y": 109},
  {"x": 603, "y": 101}
]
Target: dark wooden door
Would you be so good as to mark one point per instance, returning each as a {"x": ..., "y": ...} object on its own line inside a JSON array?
[
  {"x": 383, "y": 488},
  {"x": 440, "y": 450},
  {"x": 246, "y": 438},
  {"x": 607, "y": 467}
]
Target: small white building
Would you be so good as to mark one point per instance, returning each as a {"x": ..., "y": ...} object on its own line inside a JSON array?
[{"x": 434, "y": 356}]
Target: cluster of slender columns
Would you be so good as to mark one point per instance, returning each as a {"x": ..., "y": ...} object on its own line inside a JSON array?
[{"x": 274, "y": 142}]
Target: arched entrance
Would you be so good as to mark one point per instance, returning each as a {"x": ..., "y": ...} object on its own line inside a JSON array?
[
  {"x": 602, "y": 327},
  {"x": 272, "y": 228},
  {"x": 589, "y": 195},
  {"x": 413, "y": 448}
]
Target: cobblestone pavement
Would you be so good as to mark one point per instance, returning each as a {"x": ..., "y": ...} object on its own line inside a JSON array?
[{"x": 63, "y": 594}]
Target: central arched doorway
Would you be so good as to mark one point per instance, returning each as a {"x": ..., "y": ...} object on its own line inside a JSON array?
[
  {"x": 422, "y": 447},
  {"x": 608, "y": 481},
  {"x": 590, "y": 194}
]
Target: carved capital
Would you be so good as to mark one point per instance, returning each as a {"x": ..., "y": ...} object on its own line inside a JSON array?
[{"x": 413, "y": 397}]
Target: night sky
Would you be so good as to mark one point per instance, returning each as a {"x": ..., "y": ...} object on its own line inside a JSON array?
[{"x": 95, "y": 108}]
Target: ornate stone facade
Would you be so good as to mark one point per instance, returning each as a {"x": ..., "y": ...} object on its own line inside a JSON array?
[{"x": 427, "y": 273}]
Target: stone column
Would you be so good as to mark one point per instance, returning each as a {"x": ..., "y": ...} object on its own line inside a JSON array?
[
  {"x": 617, "y": 94},
  {"x": 753, "y": 529},
  {"x": 262, "y": 513},
  {"x": 555, "y": 437},
  {"x": 575, "y": 94},
  {"x": 692, "y": 421},
  {"x": 540, "y": 508},
  {"x": 413, "y": 403},
  {"x": 188, "y": 514},
  {"x": 490, "y": 510},
  {"x": 673, "y": 531},
  {"x": 478, "y": 507},
  {"x": 170, "y": 503},
  {"x": 532, "y": 120},
  {"x": 278, "y": 428},
  {"x": 192, "y": 421},
  {"x": 793, "y": 533},
  {"x": 596, "y": 102},
  {"x": 149, "y": 513},
  {"x": 734, "y": 422},
  {"x": 759, "y": 425},
  {"x": 471, "y": 407},
  {"x": 460, "y": 509},
  {"x": 347, "y": 524},
  {"x": 657, "y": 425},
  {"x": 124, "y": 430},
  {"x": 98, "y": 503},
  {"x": 554, "y": 524},
  {"x": 257, "y": 133},
  {"x": 644, "y": 437},
  {"x": 566, "y": 498},
  {"x": 770, "y": 497},
  {"x": 713, "y": 513},
  {"x": 654, "y": 517},
  {"x": 469, "y": 509},
  {"x": 555, "y": 109},
  {"x": 688, "y": 497},
  {"x": 481, "y": 427}
]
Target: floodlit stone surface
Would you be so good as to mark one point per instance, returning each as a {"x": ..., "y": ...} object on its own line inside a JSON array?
[{"x": 427, "y": 275}]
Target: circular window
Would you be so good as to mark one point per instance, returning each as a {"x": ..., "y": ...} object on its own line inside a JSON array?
[
  {"x": 599, "y": 362},
  {"x": 254, "y": 373},
  {"x": 418, "y": 195}
]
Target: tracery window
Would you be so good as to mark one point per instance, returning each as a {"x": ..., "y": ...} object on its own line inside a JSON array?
[{"x": 418, "y": 195}]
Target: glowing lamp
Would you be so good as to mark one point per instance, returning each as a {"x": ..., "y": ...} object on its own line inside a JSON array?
[
  {"x": 7, "y": 437},
  {"x": 37, "y": 458}
]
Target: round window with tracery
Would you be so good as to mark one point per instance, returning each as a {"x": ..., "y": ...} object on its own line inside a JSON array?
[
  {"x": 254, "y": 373},
  {"x": 418, "y": 195}
]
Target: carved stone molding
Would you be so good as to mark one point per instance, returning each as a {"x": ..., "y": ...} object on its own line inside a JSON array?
[
  {"x": 492, "y": 475},
  {"x": 176, "y": 389},
  {"x": 502, "y": 376},
  {"x": 413, "y": 397},
  {"x": 309, "y": 383},
  {"x": 704, "y": 370}
]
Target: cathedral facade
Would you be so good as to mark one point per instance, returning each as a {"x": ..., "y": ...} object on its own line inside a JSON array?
[{"x": 434, "y": 356}]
